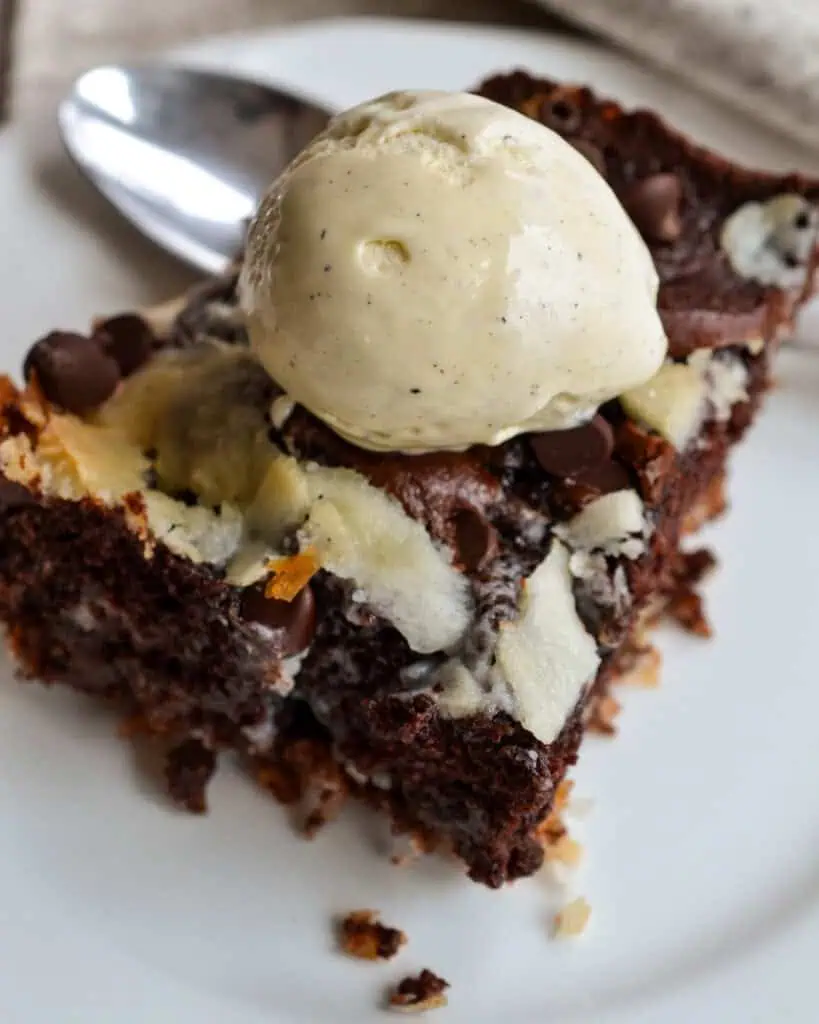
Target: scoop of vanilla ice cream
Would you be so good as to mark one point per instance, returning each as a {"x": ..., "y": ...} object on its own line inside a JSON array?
[{"x": 436, "y": 271}]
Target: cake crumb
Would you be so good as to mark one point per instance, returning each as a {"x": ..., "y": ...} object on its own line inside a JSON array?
[
  {"x": 304, "y": 773},
  {"x": 324, "y": 802},
  {"x": 686, "y": 608},
  {"x": 552, "y": 829},
  {"x": 565, "y": 850},
  {"x": 563, "y": 794},
  {"x": 604, "y": 712},
  {"x": 696, "y": 565},
  {"x": 711, "y": 505},
  {"x": 189, "y": 766},
  {"x": 419, "y": 992},
  {"x": 685, "y": 605},
  {"x": 572, "y": 919},
  {"x": 638, "y": 662},
  {"x": 363, "y": 936},
  {"x": 647, "y": 668},
  {"x": 407, "y": 849}
]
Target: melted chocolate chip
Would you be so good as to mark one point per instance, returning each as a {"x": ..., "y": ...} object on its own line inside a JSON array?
[
  {"x": 591, "y": 153},
  {"x": 476, "y": 540},
  {"x": 294, "y": 622},
  {"x": 431, "y": 487},
  {"x": 13, "y": 495},
  {"x": 73, "y": 371},
  {"x": 128, "y": 340},
  {"x": 654, "y": 205},
  {"x": 604, "y": 478},
  {"x": 568, "y": 452}
]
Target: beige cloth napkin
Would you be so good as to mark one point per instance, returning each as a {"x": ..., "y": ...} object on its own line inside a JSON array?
[
  {"x": 762, "y": 56},
  {"x": 58, "y": 38}
]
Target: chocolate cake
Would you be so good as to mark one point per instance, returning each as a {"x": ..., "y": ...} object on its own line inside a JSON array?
[{"x": 140, "y": 462}]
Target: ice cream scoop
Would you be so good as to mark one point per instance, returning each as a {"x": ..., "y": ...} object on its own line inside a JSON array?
[{"x": 436, "y": 271}]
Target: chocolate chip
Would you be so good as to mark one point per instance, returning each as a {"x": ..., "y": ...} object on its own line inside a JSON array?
[
  {"x": 476, "y": 540},
  {"x": 568, "y": 452},
  {"x": 604, "y": 478},
  {"x": 294, "y": 621},
  {"x": 13, "y": 495},
  {"x": 73, "y": 371},
  {"x": 654, "y": 206},
  {"x": 591, "y": 153},
  {"x": 573, "y": 493},
  {"x": 128, "y": 340}
]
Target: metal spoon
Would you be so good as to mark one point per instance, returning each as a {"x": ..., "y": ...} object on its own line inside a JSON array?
[{"x": 185, "y": 155}]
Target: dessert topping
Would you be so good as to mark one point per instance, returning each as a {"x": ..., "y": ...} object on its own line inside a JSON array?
[
  {"x": 614, "y": 524},
  {"x": 546, "y": 655},
  {"x": 772, "y": 242},
  {"x": 678, "y": 398},
  {"x": 13, "y": 494},
  {"x": 654, "y": 205},
  {"x": 601, "y": 479},
  {"x": 363, "y": 535},
  {"x": 477, "y": 280},
  {"x": 293, "y": 621},
  {"x": 74, "y": 371},
  {"x": 290, "y": 574},
  {"x": 128, "y": 339},
  {"x": 476, "y": 540},
  {"x": 568, "y": 452}
]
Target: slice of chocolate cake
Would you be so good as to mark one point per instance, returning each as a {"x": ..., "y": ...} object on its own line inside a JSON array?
[{"x": 434, "y": 630}]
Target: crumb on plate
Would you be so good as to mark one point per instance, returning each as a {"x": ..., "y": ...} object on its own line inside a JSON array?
[
  {"x": 565, "y": 850},
  {"x": 572, "y": 919},
  {"x": 604, "y": 713},
  {"x": 419, "y": 992},
  {"x": 363, "y": 936}
]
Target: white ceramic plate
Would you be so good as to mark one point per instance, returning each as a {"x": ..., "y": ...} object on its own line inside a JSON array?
[{"x": 701, "y": 848}]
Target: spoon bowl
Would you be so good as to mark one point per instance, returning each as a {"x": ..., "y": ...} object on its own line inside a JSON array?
[{"x": 184, "y": 154}]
